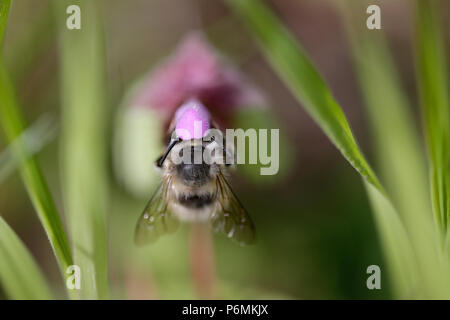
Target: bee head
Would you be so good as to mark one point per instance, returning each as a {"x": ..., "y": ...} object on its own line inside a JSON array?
[
  {"x": 192, "y": 169},
  {"x": 194, "y": 162}
]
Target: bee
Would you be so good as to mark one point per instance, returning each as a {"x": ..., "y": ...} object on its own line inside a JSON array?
[{"x": 194, "y": 189}]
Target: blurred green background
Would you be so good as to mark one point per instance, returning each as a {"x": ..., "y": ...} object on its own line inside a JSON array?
[{"x": 315, "y": 231}]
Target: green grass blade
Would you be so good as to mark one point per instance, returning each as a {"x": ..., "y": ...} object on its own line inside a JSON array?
[
  {"x": 293, "y": 66},
  {"x": 13, "y": 124},
  {"x": 433, "y": 88},
  {"x": 389, "y": 114},
  {"x": 84, "y": 143},
  {"x": 396, "y": 246},
  {"x": 20, "y": 276},
  {"x": 35, "y": 138},
  {"x": 4, "y": 11},
  {"x": 394, "y": 133}
]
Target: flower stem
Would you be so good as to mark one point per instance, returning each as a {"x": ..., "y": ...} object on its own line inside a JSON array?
[{"x": 202, "y": 261}]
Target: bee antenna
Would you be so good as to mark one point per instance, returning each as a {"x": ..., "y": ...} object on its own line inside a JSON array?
[{"x": 169, "y": 148}]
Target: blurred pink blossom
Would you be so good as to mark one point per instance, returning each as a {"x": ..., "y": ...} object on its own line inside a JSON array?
[{"x": 196, "y": 70}]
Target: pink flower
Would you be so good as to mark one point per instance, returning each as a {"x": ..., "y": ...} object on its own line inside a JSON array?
[
  {"x": 198, "y": 82},
  {"x": 196, "y": 70}
]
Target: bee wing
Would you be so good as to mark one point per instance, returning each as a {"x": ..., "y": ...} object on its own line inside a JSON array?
[
  {"x": 156, "y": 220},
  {"x": 230, "y": 217}
]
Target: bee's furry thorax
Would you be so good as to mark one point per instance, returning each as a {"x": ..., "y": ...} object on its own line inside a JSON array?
[{"x": 193, "y": 187}]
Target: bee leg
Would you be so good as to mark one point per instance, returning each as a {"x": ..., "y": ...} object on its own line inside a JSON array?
[{"x": 157, "y": 164}]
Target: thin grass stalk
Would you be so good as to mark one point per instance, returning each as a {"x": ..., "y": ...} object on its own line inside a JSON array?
[
  {"x": 83, "y": 146},
  {"x": 393, "y": 128},
  {"x": 37, "y": 136},
  {"x": 13, "y": 124},
  {"x": 432, "y": 81},
  {"x": 20, "y": 276}
]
